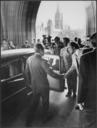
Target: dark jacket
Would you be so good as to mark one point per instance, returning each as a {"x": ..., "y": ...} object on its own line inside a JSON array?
[
  {"x": 87, "y": 80},
  {"x": 86, "y": 50}
]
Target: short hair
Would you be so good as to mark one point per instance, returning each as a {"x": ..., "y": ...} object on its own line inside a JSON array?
[
  {"x": 39, "y": 47},
  {"x": 74, "y": 45},
  {"x": 75, "y": 39},
  {"x": 66, "y": 39},
  {"x": 57, "y": 38},
  {"x": 94, "y": 36}
]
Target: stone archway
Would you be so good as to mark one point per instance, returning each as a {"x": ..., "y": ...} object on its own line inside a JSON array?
[{"x": 18, "y": 20}]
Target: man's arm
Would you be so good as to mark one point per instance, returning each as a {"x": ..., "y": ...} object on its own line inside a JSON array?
[
  {"x": 49, "y": 71},
  {"x": 62, "y": 66},
  {"x": 73, "y": 66}
]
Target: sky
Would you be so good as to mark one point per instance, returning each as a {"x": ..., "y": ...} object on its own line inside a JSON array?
[{"x": 73, "y": 12}]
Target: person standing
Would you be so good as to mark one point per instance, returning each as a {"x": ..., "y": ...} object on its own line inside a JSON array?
[
  {"x": 4, "y": 45},
  {"x": 87, "y": 86},
  {"x": 58, "y": 45},
  {"x": 36, "y": 78},
  {"x": 72, "y": 72},
  {"x": 65, "y": 56},
  {"x": 65, "y": 59}
]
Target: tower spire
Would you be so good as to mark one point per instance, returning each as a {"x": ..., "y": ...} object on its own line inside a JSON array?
[{"x": 58, "y": 18}]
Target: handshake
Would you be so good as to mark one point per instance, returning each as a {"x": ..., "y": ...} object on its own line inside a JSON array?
[{"x": 63, "y": 75}]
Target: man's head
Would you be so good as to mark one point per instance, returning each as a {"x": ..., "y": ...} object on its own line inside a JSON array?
[
  {"x": 39, "y": 49},
  {"x": 66, "y": 41},
  {"x": 5, "y": 44},
  {"x": 57, "y": 39},
  {"x": 75, "y": 39},
  {"x": 72, "y": 47},
  {"x": 26, "y": 42},
  {"x": 93, "y": 39}
]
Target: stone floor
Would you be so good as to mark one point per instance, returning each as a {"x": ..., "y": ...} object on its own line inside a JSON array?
[{"x": 62, "y": 113}]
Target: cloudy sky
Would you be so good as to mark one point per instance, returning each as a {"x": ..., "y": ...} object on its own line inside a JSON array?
[{"x": 73, "y": 12}]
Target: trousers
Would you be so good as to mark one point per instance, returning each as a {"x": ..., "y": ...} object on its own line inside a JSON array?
[{"x": 72, "y": 82}]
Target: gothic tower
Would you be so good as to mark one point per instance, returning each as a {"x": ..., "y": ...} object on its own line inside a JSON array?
[{"x": 58, "y": 19}]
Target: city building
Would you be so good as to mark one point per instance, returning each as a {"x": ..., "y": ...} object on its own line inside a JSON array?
[{"x": 58, "y": 19}]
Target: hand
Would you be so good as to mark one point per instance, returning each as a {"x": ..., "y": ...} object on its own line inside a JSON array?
[{"x": 62, "y": 76}]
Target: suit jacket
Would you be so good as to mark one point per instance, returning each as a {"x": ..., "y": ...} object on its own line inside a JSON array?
[
  {"x": 36, "y": 71},
  {"x": 87, "y": 50},
  {"x": 87, "y": 80}
]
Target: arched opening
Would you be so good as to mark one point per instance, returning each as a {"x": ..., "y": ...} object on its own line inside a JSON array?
[
  {"x": 73, "y": 19},
  {"x": 20, "y": 19}
]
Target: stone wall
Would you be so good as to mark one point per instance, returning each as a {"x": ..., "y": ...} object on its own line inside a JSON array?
[{"x": 18, "y": 20}]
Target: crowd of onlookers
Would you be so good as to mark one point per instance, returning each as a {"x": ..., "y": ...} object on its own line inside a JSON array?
[
  {"x": 6, "y": 45},
  {"x": 54, "y": 45}
]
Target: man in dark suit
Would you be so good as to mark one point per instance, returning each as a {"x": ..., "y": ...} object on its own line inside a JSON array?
[
  {"x": 36, "y": 78},
  {"x": 87, "y": 86}
]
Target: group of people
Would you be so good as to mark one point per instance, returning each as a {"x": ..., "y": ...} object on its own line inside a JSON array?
[
  {"x": 78, "y": 68},
  {"x": 6, "y": 45},
  {"x": 77, "y": 60},
  {"x": 54, "y": 45}
]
